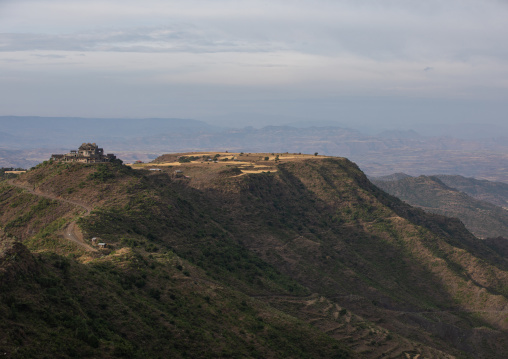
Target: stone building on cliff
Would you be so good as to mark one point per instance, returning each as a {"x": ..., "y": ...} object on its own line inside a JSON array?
[{"x": 87, "y": 153}]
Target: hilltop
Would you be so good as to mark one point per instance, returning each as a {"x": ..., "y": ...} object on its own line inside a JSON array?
[
  {"x": 26, "y": 141},
  {"x": 240, "y": 254}
]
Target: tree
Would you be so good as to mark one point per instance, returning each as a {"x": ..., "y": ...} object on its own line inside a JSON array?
[{"x": 315, "y": 153}]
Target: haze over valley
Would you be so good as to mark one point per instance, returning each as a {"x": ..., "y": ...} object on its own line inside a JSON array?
[{"x": 27, "y": 141}]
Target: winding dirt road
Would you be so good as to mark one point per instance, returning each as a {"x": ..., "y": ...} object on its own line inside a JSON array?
[
  {"x": 39, "y": 193},
  {"x": 70, "y": 232}
]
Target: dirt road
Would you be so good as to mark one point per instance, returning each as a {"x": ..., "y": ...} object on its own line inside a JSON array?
[
  {"x": 71, "y": 233},
  {"x": 39, "y": 193}
]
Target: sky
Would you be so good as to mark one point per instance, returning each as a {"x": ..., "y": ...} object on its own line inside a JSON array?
[{"x": 369, "y": 64}]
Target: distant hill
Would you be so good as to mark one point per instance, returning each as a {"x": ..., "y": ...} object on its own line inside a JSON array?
[
  {"x": 400, "y": 134},
  {"x": 489, "y": 191},
  {"x": 392, "y": 177},
  {"x": 255, "y": 255},
  {"x": 431, "y": 194}
]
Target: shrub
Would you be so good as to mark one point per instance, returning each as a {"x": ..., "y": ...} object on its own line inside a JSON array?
[
  {"x": 185, "y": 159},
  {"x": 102, "y": 174}
]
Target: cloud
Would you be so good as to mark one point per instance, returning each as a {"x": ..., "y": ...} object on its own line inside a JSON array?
[
  {"x": 50, "y": 56},
  {"x": 305, "y": 49},
  {"x": 395, "y": 29},
  {"x": 161, "y": 39}
]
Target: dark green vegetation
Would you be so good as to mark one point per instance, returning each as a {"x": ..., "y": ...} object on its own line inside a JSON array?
[
  {"x": 134, "y": 307},
  {"x": 229, "y": 265},
  {"x": 430, "y": 193}
]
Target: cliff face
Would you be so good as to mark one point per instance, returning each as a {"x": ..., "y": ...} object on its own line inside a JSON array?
[{"x": 313, "y": 241}]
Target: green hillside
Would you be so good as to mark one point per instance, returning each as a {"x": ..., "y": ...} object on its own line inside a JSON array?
[{"x": 294, "y": 256}]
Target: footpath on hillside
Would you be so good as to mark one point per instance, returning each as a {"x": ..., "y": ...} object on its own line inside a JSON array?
[{"x": 70, "y": 232}]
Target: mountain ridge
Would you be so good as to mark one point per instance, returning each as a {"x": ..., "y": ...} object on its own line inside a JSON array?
[
  {"x": 287, "y": 232},
  {"x": 430, "y": 193}
]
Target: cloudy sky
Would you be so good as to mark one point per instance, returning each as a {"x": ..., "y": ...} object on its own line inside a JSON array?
[{"x": 374, "y": 63}]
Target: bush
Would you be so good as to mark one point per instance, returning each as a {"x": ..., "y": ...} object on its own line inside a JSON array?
[
  {"x": 155, "y": 293},
  {"x": 185, "y": 159},
  {"x": 102, "y": 174}
]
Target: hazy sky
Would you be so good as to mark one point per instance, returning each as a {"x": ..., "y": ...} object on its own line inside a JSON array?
[{"x": 362, "y": 62}]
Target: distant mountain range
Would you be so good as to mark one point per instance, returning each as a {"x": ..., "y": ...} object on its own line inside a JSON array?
[{"x": 144, "y": 139}]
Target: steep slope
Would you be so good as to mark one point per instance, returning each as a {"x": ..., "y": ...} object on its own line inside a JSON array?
[
  {"x": 481, "y": 217},
  {"x": 313, "y": 239},
  {"x": 143, "y": 301}
]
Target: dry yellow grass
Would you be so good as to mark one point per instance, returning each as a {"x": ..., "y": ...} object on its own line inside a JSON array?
[
  {"x": 248, "y": 163},
  {"x": 138, "y": 166}
]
